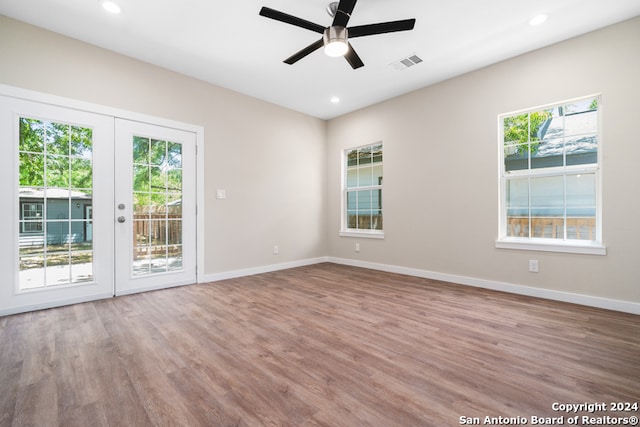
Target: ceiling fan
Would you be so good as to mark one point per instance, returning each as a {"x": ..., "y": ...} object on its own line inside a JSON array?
[{"x": 335, "y": 38}]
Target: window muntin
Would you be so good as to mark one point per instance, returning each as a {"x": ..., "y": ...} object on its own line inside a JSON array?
[
  {"x": 549, "y": 173},
  {"x": 362, "y": 193}
]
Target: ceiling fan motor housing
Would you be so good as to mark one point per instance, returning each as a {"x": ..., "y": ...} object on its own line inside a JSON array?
[{"x": 335, "y": 41}]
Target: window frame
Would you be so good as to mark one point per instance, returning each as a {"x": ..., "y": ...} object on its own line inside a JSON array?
[
  {"x": 345, "y": 231},
  {"x": 565, "y": 245}
]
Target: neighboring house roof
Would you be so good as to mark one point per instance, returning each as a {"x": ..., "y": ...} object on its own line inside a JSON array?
[
  {"x": 570, "y": 133},
  {"x": 52, "y": 193}
]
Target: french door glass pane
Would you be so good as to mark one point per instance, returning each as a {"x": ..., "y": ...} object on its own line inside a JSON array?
[
  {"x": 157, "y": 201},
  {"x": 55, "y": 198}
]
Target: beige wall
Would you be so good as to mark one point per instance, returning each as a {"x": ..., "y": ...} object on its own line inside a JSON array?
[
  {"x": 441, "y": 168},
  {"x": 271, "y": 161}
]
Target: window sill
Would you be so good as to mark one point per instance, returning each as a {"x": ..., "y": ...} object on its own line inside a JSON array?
[
  {"x": 551, "y": 245},
  {"x": 374, "y": 234}
]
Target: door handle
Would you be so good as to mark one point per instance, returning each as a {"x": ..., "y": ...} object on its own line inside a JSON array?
[{"x": 121, "y": 219}]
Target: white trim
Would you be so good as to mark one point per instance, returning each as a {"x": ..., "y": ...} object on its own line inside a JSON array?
[
  {"x": 259, "y": 270},
  {"x": 550, "y": 245},
  {"x": 587, "y": 300},
  {"x": 153, "y": 288},
  {"x": 366, "y": 234},
  {"x": 33, "y": 307}
]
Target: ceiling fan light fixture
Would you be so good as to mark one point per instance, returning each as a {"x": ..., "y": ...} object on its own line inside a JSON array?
[
  {"x": 110, "y": 6},
  {"x": 335, "y": 41}
]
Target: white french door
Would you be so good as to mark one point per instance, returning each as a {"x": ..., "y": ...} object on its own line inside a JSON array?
[
  {"x": 155, "y": 207},
  {"x": 56, "y": 163},
  {"x": 94, "y": 206}
]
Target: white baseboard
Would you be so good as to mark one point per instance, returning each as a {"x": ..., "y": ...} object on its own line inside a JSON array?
[
  {"x": 592, "y": 301},
  {"x": 587, "y": 300},
  {"x": 259, "y": 270},
  {"x": 34, "y": 307}
]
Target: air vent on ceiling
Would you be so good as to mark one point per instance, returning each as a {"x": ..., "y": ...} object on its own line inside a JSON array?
[{"x": 407, "y": 62}]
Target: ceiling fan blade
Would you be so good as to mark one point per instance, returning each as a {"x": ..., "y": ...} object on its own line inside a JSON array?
[
  {"x": 290, "y": 19},
  {"x": 343, "y": 13},
  {"x": 304, "y": 52},
  {"x": 353, "y": 59},
  {"x": 381, "y": 28}
]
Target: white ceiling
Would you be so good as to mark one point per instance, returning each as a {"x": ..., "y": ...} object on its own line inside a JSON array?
[{"x": 228, "y": 44}]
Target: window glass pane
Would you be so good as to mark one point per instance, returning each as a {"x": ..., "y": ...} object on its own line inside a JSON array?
[
  {"x": 174, "y": 155},
  {"x": 174, "y": 180},
  {"x": 174, "y": 205},
  {"x": 581, "y": 123},
  {"x": 377, "y": 220},
  {"x": 516, "y": 157},
  {"x": 547, "y": 153},
  {"x": 547, "y": 196},
  {"x": 365, "y": 176},
  {"x": 57, "y": 171},
  {"x": 548, "y": 227},
  {"x": 377, "y": 153},
  {"x": 141, "y": 150},
  {"x": 377, "y": 174},
  {"x": 158, "y": 259},
  {"x": 364, "y": 201},
  {"x": 584, "y": 105},
  {"x": 81, "y": 173},
  {"x": 57, "y": 208},
  {"x": 352, "y": 158},
  {"x": 352, "y": 200},
  {"x": 175, "y": 257},
  {"x": 31, "y": 170},
  {"x": 581, "y": 192},
  {"x": 352, "y": 219},
  {"x": 141, "y": 261},
  {"x": 31, "y": 135},
  {"x": 516, "y": 128},
  {"x": 158, "y": 179},
  {"x": 81, "y": 142},
  {"x": 140, "y": 233},
  {"x": 582, "y": 149},
  {"x": 352, "y": 177},
  {"x": 518, "y": 196},
  {"x": 141, "y": 178},
  {"x": 174, "y": 232},
  {"x": 81, "y": 264},
  {"x": 31, "y": 274},
  {"x": 157, "y": 152},
  {"x": 57, "y": 138},
  {"x": 364, "y": 156}
]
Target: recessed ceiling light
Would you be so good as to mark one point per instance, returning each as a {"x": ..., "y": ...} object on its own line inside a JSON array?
[
  {"x": 335, "y": 100},
  {"x": 110, "y": 6},
  {"x": 538, "y": 19}
]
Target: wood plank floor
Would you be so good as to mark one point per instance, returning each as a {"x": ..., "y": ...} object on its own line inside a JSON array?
[{"x": 324, "y": 345}]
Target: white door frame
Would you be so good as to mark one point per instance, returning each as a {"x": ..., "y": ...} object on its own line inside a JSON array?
[{"x": 7, "y": 308}]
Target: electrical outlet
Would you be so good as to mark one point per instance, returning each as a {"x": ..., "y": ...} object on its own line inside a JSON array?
[
  {"x": 276, "y": 250},
  {"x": 533, "y": 265},
  {"x": 357, "y": 247}
]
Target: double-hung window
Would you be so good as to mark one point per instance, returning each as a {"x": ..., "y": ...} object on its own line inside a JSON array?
[
  {"x": 550, "y": 192},
  {"x": 32, "y": 214},
  {"x": 362, "y": 191}
]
